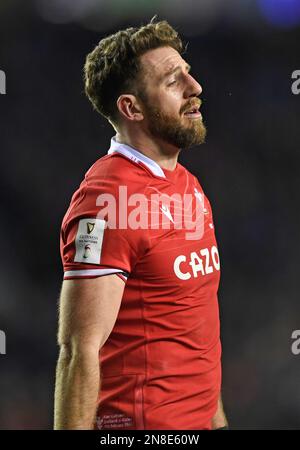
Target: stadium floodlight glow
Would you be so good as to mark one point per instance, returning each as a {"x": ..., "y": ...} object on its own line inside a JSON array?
[
  {"x": 2, "y": 343},
  {"x": 2, "y": 82},
  {"x": 66, "y": 11},
  {"x": 283, "y": 13}
]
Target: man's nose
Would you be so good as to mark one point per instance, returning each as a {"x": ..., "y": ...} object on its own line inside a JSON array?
[{"x": 193, "y": 89}]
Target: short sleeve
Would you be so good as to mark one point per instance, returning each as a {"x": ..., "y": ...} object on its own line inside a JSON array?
[{"x": 95, "y": 237}]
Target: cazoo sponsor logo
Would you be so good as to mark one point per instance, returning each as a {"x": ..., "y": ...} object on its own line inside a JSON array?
[{"x": 202, "y": 262}]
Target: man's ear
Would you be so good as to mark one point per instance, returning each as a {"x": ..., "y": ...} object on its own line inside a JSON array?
[{"x": 130, "y": 108}]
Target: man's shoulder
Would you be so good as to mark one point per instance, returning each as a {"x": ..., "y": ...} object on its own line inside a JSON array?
[
  {"x": 102, "y": 180},
  {"x": 116, "y": 169}
]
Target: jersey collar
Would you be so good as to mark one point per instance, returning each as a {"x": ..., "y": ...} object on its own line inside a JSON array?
[{"x": 136, "y": 156}]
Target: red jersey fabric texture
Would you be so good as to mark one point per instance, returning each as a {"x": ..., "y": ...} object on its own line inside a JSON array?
[{"x": 161, "y": 364}]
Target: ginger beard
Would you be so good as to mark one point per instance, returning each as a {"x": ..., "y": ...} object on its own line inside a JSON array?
[{"x": 180, "y": 131}]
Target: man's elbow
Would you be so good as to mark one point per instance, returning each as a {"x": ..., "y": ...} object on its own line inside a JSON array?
[{"x": 72, "y": 351}]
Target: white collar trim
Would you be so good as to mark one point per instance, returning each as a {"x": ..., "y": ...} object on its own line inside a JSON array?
[{"x": 136, "y": 156}]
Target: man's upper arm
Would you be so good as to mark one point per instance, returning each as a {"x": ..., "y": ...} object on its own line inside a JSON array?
[
  {"x": 93, "y": 242},
  {"x": 88, "y": 310}
]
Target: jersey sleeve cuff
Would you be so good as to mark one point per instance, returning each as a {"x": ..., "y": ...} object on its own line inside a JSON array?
[{"x": 92, "y": 273}]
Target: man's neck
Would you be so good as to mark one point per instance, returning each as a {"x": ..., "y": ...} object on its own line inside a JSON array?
[{"x": 163, "y": 154}]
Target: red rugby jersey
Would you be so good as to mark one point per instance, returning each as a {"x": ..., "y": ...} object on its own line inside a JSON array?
[{"x": 160, "y": 366}]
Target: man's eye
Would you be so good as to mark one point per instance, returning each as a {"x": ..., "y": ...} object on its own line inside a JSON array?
[{"x": 172, "y": 82}]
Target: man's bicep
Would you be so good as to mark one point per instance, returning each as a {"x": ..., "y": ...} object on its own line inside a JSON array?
[{"x": 88, "y": 310}]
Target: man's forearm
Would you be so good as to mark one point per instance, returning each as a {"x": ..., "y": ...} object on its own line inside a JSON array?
[{"x": 76, "y": 390}]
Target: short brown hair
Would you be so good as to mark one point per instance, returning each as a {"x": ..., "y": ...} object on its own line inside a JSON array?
[{"x": 113, "y": 67}]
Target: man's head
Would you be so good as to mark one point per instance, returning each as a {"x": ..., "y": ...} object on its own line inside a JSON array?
[{"x": 137, "y": 77}]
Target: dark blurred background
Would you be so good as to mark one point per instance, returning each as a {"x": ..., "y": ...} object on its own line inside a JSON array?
[{"x": 243, "y": 53}]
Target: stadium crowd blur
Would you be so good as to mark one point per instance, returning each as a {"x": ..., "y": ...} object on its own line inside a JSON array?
[{"x": 243, "y": 53}]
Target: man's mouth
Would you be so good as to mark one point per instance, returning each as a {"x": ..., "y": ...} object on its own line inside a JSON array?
[{"x": 193, "y": 112}]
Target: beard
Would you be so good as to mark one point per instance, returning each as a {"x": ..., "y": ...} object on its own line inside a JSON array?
[{"x": 179, "y": 132}]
